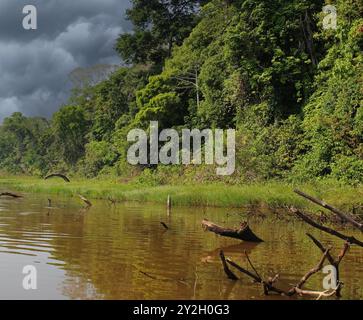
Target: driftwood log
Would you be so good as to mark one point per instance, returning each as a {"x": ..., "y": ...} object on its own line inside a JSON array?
[
  {"x": 10, "y": 194},
  {"x": 59, "y": 175},
  {"x": 343, "y": 216},
  {"x": 242, "y": 233}
]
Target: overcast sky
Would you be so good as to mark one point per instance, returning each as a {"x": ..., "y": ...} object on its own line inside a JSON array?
[{"x": 35, "y": 64}]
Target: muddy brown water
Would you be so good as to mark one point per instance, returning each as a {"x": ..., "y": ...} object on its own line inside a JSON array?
[{"x": 123, "y": 252}]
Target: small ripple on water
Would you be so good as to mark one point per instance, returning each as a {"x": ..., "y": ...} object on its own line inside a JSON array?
[
  {"x": 17, "y": 253},
  {"x": 27, "y": 213}
]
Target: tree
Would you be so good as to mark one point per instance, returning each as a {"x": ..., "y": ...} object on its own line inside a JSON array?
[
  {"x": 21, "y": 143},
  {"x": 69, "y": 129},
  {"x": 158, "y": 26},
  {"x": 114, "y": 98},
  {"x": 333, "y": 117},
  {"x": 83, "y": 77}
]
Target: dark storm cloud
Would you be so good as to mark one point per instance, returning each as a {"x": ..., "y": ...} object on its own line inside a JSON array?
[{"x": 34, "y": 65}]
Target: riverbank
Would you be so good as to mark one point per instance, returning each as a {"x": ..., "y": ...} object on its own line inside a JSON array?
[{"x": 272, "y": 194}]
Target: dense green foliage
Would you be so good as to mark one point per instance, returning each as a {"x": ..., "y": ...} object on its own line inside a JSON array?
[
  {"x": 158, "y": 26},
  {"x": 292, "y": 89}
]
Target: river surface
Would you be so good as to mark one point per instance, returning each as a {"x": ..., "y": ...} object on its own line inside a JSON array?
[{"x": 123, "y": 252}]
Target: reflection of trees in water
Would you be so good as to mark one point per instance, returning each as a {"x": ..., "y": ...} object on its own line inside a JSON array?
[
  {"x": 77, "y": 288},
  {"x": 105, "y": 249}
]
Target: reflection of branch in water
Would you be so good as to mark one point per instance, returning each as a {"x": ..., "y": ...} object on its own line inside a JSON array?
[
  {"x": 112, "y": 201},
  {"x": 251, "y": 264},
  {"x": 228, "y": 288},
  {"x": 10, "y": 194},
  {"x": 231, "y": 249},
  {"x": 85, "y": 200},
  {"x": 153, "y": 277},
  {"x": 283, "y": 239},
  {"x": 183, "y": 281},
  {"x": 195, "y": 283},
  {"x": 84, "y": 210}
]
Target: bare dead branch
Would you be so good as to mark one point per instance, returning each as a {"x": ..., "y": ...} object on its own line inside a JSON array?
[
  {"x": 10, "y": 194},
  {"x": 267, "y": 286},
  {"x": 164, "y": 225},
  {"x": 350, "y": 239},
  {"x": 332, "y": 261},
  {"x": 342, "y": 253},
  {"x": 60, "y": 175},
  {"x": 318, "y": 294},
  {"x": 321, "y": 247},
  {"x": 313, "y": 270},
  {"x": 227, "y": 271},
  {"x": 338, "y": 212},
  {"x": 243, "y": 233},
  {"x": 251, "y": 264},
  {"x": 246, "y": 272},
  {"x": 85, "y": 200}
]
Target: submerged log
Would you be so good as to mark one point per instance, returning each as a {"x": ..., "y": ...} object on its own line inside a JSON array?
[
  {"x": 65, "y": 178},
  {"x": 9, "y": 194},
  {"x": 243, "y": 233}
]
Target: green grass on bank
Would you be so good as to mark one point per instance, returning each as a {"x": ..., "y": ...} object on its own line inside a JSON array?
[{"x": 218, "y": 195}]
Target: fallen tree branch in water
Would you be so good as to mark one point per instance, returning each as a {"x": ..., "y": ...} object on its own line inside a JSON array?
[
  {"x": 252, "y": 266},
  {"x": 332, "y": 261},
  {"x": 268, "y": 286},
  {"x": 85, "y": 200},
  {"x": 338, "y": 212},
  {"x": 112, "y": 201},
  {"x": 318, "y": 294},
  {"x": 164, "y": 225},
  {"x": 243, "y": 233},
  {"x": 227, "y": 271},
  {"x": 303, "y": 216},
  {"x": 10, "y": 194},
  {"x": 298, "y": 287}
]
